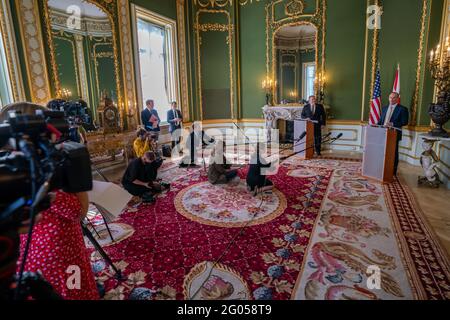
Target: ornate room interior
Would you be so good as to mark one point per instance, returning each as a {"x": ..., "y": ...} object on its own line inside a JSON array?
[{"x": 238, "y": 67}]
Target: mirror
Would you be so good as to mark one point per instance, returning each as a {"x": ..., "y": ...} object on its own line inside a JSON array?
[
  {"x": 83, "y": 55},
  {"x": 295, "y": 63}
]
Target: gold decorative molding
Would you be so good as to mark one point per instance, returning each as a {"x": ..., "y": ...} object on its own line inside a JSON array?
[
  {"x": 109, "y": 8},
  {"x": 213, "y": 27},
  {"x": 375, "y": 44},
  {"x": 366, "y": 54},
  {"x": 126, "y": 48},
  {"x": 230, "y": 29},
  {"x": 10, "y": 45},
  {"x": 35, "y": 62},
  {"x": 181, "y": 9},
  {"x": 82, "y": 69},
  {"x": 317, "y": 20},
  {"x": 61, "y": 35},
  {"x": 95, "y": 56},
  {"x": 294, "y": 8},
  {"x": 421, "y": 62}
]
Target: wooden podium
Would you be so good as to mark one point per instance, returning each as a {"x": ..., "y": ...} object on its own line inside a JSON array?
[
  {"x": 307, "y": 142},
  {"x": 379, "y": 153}
]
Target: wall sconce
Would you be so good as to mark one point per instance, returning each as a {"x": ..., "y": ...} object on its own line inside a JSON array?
[{"x": 268, "y": 85}]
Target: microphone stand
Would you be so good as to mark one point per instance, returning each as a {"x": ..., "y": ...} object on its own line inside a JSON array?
[{"x": 330, "y": 141}]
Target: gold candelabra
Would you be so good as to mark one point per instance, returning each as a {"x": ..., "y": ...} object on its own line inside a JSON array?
[
  {"x": 268, "y": 85},
  {"x": 440, "y": 72},
  {"x": 440, "y": 66},
  {"x": 64, "y": 94},
  {"x": 320, "y": 86}
]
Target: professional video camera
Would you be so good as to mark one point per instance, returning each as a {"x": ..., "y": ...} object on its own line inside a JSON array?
[
  {"x": 36, "y": 157},
  {"x": 76, "y": 112}
]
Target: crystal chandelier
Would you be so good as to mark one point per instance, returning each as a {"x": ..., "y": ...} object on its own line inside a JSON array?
[{"x": 221, "y": 3}]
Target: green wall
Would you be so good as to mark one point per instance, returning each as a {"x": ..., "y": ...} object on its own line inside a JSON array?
[
  {"x": 344, "y": 56},
  {"x": 399, "y": 43},
  {"x": 434, "y": 28},
  {"x": 252, "y": 44}
]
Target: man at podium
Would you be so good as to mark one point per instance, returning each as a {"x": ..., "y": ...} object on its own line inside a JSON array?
[
  {"x": 316, "y": 112},
  {"x": 396, "y": 116}
]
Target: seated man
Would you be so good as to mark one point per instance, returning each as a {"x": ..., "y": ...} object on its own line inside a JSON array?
[
  {"x": 140, "y": 177},
  {"x": 196, "y": 142},
  {"x": 256, "y": 180},
  {"x": 219, "y": 172}
]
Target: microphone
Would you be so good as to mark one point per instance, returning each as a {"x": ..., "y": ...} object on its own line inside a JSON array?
[
  {"x": 302, "y": 136},
  {"x": 338, "y": 136},
  {"x": 327, "y": 135}
]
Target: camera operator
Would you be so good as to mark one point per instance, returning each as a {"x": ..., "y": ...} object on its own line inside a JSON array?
[
  {"x": 55, "y": 244},
  {"x": 140, "y": 178}
]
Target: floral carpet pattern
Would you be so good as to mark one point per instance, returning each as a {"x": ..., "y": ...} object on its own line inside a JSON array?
[
  {"x": 322, "y": 233},
  {"x": 228, "y": 205}
]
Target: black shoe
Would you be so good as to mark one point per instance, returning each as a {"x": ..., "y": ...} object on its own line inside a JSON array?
[
  {"x": 148, "y": 198},
  {"x": 165, "y": 185}
]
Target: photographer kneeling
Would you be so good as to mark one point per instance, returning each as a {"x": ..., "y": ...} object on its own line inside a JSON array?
[{"x": 140, "y": 177}]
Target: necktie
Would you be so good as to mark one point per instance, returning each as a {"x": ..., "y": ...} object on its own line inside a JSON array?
[{"x": 388, "y": 115}]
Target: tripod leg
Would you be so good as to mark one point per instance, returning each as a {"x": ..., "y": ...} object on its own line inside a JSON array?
[
  {"x": 109, "y": 230},
  {"x": 101, "y": 252},
  {"x": 100, "y": 173}
]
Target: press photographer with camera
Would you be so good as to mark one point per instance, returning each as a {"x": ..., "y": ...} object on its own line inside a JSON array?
[{"x": 43, "y": 159}]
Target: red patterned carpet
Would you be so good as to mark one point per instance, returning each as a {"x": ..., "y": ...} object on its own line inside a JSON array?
[{"x": 313, "y": 238}]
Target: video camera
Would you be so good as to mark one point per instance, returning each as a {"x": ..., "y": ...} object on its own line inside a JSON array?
[
  {"x": 76, "y": 112},
  {"x": 36, "y": 157}
]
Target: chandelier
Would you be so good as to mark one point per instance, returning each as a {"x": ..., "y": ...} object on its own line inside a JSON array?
[{"x": 221, "y": 3}]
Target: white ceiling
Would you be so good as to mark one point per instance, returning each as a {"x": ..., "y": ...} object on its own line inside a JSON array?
[
  {"x": 87, "y": 9},
  {"x": 296, "y": 32}
]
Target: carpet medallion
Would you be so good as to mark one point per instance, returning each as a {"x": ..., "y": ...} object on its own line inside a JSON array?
[
  {"x": 228, "y": 205},
  {"x": 322, "y": 234}
]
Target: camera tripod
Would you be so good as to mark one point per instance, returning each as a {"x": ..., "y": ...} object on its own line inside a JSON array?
[{"x": 102, "y": 252}]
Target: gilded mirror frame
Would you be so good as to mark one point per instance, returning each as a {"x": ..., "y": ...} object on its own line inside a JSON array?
[
  {"x": 109, "y": 9},
  {"x": 294, "y": 15}
]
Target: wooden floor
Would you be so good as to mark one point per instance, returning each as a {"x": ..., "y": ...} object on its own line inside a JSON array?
[{"x": 434, "y": 203}]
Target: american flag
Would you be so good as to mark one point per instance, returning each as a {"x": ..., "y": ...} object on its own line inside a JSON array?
[{"x": 375, "y": 107}]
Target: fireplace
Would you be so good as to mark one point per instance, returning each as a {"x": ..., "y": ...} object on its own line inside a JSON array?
[
  {"x": 286, "y": 129},
  {"x": 282, "y": 118}
]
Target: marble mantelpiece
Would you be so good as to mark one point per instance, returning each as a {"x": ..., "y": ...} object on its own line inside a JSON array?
[{"x": 280, "y": 112}]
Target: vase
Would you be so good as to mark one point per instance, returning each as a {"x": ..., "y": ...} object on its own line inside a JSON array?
[{"x": 440, "y": 113}]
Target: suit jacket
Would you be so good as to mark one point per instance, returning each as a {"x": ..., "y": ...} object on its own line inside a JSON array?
[
  {"x": 146, "y": 116},
  {"x": 171, "y": 119},
  {"x": 400, "y": 118},
  {"x": 319, "y": 114}
]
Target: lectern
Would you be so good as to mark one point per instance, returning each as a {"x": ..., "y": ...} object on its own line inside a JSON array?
[
  {"x": 307, "y": 142},
  {"x": 379, "y": 153}
]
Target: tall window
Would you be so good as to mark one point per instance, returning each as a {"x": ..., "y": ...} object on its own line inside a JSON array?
[
  {"x": 309, "y": 75},
  {"x": 156, "y": 54},
  {"x": 5, "y": 82}
]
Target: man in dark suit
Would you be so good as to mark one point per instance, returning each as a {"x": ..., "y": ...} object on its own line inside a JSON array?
[
  {"x": 195, "y": 143},
  {"x": 150, "y": 119},
  {"x": 174, "y": 118},
  {"x": 316, "y": 112},
  {"x": 397, "y": 116}
]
